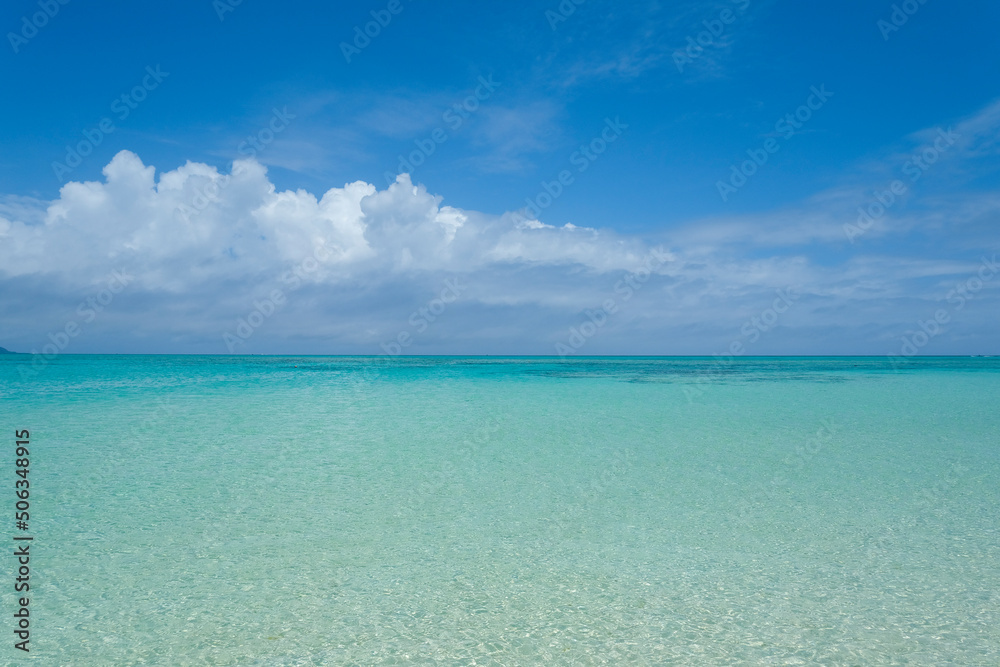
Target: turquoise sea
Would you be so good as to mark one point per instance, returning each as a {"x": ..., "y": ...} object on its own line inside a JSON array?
[{"x": 506, "y": 511}]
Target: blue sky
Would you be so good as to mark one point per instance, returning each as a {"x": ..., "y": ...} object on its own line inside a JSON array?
[{"x": 643, "y": 109}]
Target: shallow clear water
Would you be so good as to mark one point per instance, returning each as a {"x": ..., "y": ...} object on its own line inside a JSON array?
[{"x": 362, "y": 511}]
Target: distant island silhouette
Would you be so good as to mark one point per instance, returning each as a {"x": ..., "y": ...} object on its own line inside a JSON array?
[{"x": 4, "y": 350}]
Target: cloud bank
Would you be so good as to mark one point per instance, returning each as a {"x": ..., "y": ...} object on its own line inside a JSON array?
[{"x": 217, "y": 262}]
